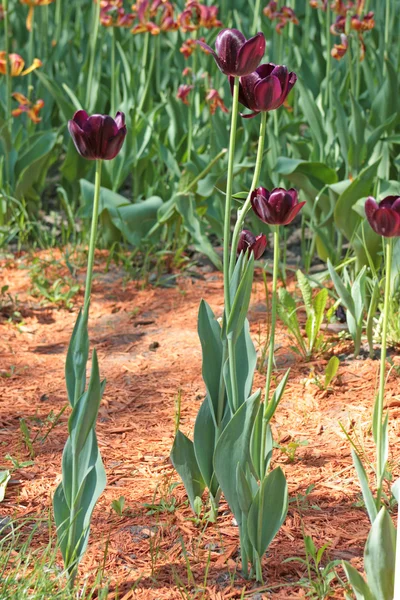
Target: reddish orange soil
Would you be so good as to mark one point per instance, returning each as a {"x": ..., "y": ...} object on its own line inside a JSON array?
[{"x": 149, "y": 350}]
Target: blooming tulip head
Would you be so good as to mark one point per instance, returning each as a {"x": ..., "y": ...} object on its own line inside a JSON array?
[
  {"x": 278, "y": 207},
  {"x": 384, "y": 217},
  {"x": 97, "y": 136},
  {"x": 32, "y": 109},
  {"x": 248, "y": 241},
  {"x": 234, "y": 55},
  {"x": 266, "y": 89}
]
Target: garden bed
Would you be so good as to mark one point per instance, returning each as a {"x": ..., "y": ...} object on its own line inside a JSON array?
[{"x": 149, "y": 352}]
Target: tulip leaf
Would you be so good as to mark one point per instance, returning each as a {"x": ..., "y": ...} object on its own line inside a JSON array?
[
  {"x": 313, "y": 116},
  {"x": 360, "y": 587},
  {"x": 317, "y": 172},
  {"x": 233, "y": 449},
  {"x": 268, "y": 510},
  {"x": 366, "y": 492},
  {"x": 380, "y": 556},
  {"x": 4, "y": 479},
  {"x": 133, "y": 221},
  {"x": 204, "y": 444},
  {"x": 212, "y": 348},
  {"x": 185, "y": 463},
  {"x": 73, "y": 537},
  {"x": 32, "y": 166},
  {"x": 83, "y": 417},
  {"x": 240, "y": 304},
  {"x": 246, "y": 360},
  {"x": 345, "y": 218},
  {"x": 245, "y": 497},
  {"x": 65, "y": 106},
  {"x": 77, "y": 356},
  {"x": 186, "y": 206}
]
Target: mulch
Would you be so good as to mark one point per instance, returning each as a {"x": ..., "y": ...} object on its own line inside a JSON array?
[{"x": 149, "y": 352}]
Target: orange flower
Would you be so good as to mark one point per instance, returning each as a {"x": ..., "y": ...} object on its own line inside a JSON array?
[
  {"x": 196, "y": 15},
  {"x": 112, "y": 15},
  {"x": 183, "y": 93},
  {"x": 339, "y": 50},
  {"x": 32, "y": 4},
  {"x": 189, "y": 46},
  {"x": 215, "y": 101},
  {"x": 28, "y": 107},
  {"x": 283, "y": 16},
  {"x": 17, "y": 64},
  {"x": 154, "y": 16}
]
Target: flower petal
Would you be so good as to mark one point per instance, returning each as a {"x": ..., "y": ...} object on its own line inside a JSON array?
[
  {"x": 250, "y": 55},
  {"x": 370, "y": 207},
  {"x": 80, "y": 118},
  {"x": 114, "y": 144},
  {"x": 267, "y": 93},
  {"x": 293, "y": 213},
  {"x": 247, "y": 88},
  {"x": 214, "y": 54},
  {"x": 80, "y": 139},
  {"x": 120, "y": 119}
]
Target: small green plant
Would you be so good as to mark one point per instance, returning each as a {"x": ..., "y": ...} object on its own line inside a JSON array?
[
  {"x": 331, "y": 371},
  {"x": 290, "y": 448},
  {"x": 4, "y": 479},
  {"x": 352, "y": 295},
  {"x": 315, "y": 310},
  {"x": 167, "y": 502},
  {"x": 318, "y": 582},
  {"x": 61, "y": 291},
  {"x": 118, "y": 505}
]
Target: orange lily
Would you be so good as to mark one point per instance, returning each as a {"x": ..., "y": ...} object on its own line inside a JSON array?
[
  {"x": 28, "y": 107},
  {"x": 32, "y": 4},
  {"x": 16, "y": 65}
]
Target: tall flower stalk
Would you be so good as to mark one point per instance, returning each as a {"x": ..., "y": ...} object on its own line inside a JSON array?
[
  {"x": 92, "y": 52},
  {"x": 98, "y": 138},
  {"x": 8, "y": 88},
  {"x": 380, "y": 451}
]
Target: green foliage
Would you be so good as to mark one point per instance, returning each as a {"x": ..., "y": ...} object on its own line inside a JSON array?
[{"x": 379, "y": 562}]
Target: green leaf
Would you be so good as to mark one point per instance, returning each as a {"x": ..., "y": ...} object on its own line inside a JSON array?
[
  {"x": 204, "y": 444},
  {"x": 4, "y": 479},
  {"x": 380, "y": 556},
  {"x": 32, "y": 166},
  {"x": 343, "y": 293},
  {"x": 360, "y": 588},
  {"x": 246, "y": 361},
  {"x": 366, "y": 492},
  {"x": 186, "y": 206},
  {"x": 184, "y": 460},
  {"x": 209, "y": 332},
  {"x": 84, "y": 415},
  {"x": 306, "y": 290},
  {"x": 245, "y": 496},
  {"x": 233, "y": 448},
  {"x": 331, "y": 370},
  {"x": 240, "y": 304},
  {"x": 317, "y": 172},
  {"x": 346, "y": 218},
  {"x": 268, "y": 510},
  {"x": 77, "y": 357},
  {"x": 134, "y": 221},
  {"x": 313, "y": 116},
  {"x": 65, "y": 106}
]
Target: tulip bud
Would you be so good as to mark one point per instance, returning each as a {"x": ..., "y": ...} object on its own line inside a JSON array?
[
  {"x": 248, "y": 241},
  {"x": 384, "y": 217},
  {"x": 234, "y": 55},
  {"x": 278, "y": 207},
  {"x": 97, "y": 136}
]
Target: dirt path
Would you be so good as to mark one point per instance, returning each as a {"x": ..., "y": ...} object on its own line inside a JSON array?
[{"x": 148, "y": 351}]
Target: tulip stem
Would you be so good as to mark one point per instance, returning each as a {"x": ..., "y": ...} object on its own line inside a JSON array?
[
  {"x": 380, "y": 466},
  {"x": 93, "y": 232},
  {"x": 113, "y": 74},
  {"x": 227, "y": 235},
  {"x": 93, "y": 44},
  {"x": 228, "y": 200},
  {"x": 246, "y": 206},
  {"x": 387, "y": 32},
  {"x": 8, "y": 96},
  {"x": 271, "y": 350}
]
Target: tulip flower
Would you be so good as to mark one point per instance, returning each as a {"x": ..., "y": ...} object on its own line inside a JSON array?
[
  {"x": 248, "y": 241},
  {"x": 266, "y": 89},
  {"x": 196, "y": 15},
  {"x": 384, "y": 217},
  {"x": 284, "y": 15},
  {"x": 97, "y": 136},
  {"x": 112, "y": 16},
  {"x": 234, "y": 55},
  {"x": 183, "y": 93},
  {"x": 278, "y": 207},
  {"x": 215, "y": 101},
  {"x": 17, "y": 64},
  {"x": 32, "y": 4},
  {"x": 26, "y": 106}
]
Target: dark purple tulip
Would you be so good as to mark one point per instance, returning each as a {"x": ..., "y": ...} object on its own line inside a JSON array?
[
  {"x": 97, "y": 136},
  {"x": 265, "y": 89},
  {"x": 234, "y": 55},
  {"x": 278, "y": 207},
  {"x": 248, "y": 241},
  {"x": 384, "y": 217}
]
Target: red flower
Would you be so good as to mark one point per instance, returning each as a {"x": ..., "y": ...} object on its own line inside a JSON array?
[
  {"x": 97, "y": 136},
  {"x": 248, "y": 241},
  {"x": 278, "y": 207},
  {"x": 384, "y": 217}
]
